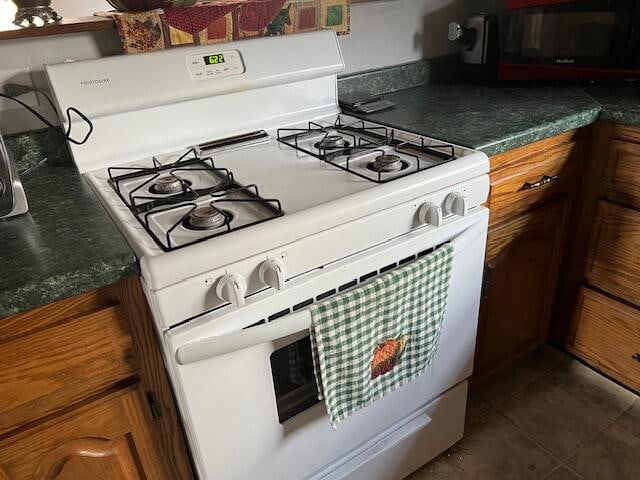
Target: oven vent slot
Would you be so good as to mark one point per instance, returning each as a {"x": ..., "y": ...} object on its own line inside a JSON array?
[
  {"x": 345, "y": 286},
  {"x": 406, "y": 260},
  {"x": 326, "y": 294},
  {"x": 368, "y": 276},
  {"x": 388, "y": 268},
  {"x": 281, "y": 313},
  {"x": 301, "y": 305},
  {"x": 261, "y": 322}
]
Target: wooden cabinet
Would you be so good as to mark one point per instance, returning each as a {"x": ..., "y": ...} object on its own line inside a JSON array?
[
  {"x": 106, "y": 439},
  {"x": 84, "y": 393},
  {"x": 532, "y": 188},
  {"x": 608, "y": 336},
  {"x": 46, "y": 370},
  {"x": 598, "y": 310},
  {"x": 523, "y": 258}
]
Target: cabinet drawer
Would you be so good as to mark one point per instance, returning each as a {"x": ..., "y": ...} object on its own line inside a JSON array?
[
  {"x": 608, "y": 336},
  {"x": 622, "y": 174},
  {"x": 613, "y": 263},
  {"x": 521, "y": 186},
  {"x": 45, "y": 369}
]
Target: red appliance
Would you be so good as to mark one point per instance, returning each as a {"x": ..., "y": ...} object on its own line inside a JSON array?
[{"x": 570, "y": 40}]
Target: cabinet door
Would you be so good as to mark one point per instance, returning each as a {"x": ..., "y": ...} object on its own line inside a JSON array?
[
  {"x": 613, "y": 263},
  {"x": 107, "y": 439},
  {"x": 523, "y": 259},
  {"x": 608, "y": 336}
]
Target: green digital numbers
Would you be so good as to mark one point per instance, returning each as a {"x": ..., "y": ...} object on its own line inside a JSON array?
[{"x": 214, "y": 59}]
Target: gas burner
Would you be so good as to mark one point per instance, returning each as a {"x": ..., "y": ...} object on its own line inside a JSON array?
[
  {"x": 207, "y": 218},
  {"x": 169, "y": 185},
  {"x": 332, "y": 142},
  {"x": 387, "y": 162}
]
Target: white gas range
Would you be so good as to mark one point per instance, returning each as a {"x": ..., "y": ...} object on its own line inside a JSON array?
[{"x": 247, "y": 196}]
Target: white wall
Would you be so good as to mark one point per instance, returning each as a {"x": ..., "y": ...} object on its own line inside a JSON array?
[
  {"x": 79, "y": 8},
  {"x": 398, "y": 31},
  {"x": 383, "y": 33}
]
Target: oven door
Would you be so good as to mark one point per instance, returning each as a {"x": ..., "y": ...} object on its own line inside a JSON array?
[
  {"x": 244, "y": 380},
  {"x": 560, "y": 39}
]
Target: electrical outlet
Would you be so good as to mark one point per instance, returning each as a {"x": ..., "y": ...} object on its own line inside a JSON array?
[{"x": 22, "y": 77}]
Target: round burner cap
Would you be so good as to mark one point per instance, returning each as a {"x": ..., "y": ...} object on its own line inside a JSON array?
[
  {"x": 167, "y": 184},
  {"x": 331, "y": 142},
  {"x": 207, "y": 217},
  {"x": 386, "y": 163}
]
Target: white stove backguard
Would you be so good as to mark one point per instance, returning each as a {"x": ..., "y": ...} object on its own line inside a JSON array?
[{"x": 142, "y": 105}]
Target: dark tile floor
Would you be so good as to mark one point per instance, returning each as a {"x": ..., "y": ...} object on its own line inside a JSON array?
[{"x": 546, "y": 417}]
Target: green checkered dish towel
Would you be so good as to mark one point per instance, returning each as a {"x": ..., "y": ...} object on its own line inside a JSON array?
[{"x": 372, "y": 340}]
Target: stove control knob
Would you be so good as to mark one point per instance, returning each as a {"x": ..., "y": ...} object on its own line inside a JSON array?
[
  {"x": 232, "y": 288},
  {"x": 457, "y": 204},
  {"x": 273, "y": 273},
  {"x": 430, "y": 214}
]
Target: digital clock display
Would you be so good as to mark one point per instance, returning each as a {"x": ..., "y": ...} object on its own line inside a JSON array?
[{"x": 215, "y": 59}]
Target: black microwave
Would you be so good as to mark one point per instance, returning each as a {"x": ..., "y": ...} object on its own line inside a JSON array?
[{"x": 570, "y": 40}]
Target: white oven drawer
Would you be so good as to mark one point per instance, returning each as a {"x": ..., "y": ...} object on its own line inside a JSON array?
[
  {"x": 226, "y": 373},
  {"x": 407, "y": 446}
]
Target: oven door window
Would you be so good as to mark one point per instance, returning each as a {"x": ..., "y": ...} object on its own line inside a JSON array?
[
  {"x": 293, "y": 379},
  {"x": 594, "y": 33}
]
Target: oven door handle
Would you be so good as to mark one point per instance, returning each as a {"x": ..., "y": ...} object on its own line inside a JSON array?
[
  {"x": 214, "y": 346},
  {"x": 219, "y": 345}
]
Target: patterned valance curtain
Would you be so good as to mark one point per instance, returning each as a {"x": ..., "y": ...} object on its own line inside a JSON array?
[{"x": 226, "y": 21}]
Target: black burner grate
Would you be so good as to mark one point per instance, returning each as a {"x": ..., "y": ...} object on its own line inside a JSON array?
[
  {"x": 372, "y": 138},
  {"x": 145, "y": 207}
]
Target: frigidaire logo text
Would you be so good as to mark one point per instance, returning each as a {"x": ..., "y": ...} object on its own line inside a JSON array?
[{"x": 95, "y": 81}]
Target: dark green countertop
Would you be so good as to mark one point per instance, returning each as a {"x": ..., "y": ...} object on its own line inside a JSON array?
[
  {"x": 66, "y": 244},
  {"x": 619, "y": 104},
  {"x": 495, "y": 119}
]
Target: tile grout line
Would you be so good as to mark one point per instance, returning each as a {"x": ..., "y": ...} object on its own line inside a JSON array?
[
  {"x": 533, "y": 440},
  {"x": 572, "y": 470},
  {"x": 555, "y": 469},
  {"x": 627, "y": 411},
  {"x": 611, "y": 422},
  {"x": 558, "y": 467}
]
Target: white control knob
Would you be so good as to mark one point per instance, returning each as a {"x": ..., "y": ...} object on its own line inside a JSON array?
[
  {"x": 273, "y": 272},
  {"x": 430, "y": 214},
  {"x": 232, "y": 288},
  {"x": 456, "y": 203}
]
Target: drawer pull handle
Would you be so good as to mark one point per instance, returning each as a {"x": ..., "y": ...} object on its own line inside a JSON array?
[
  {"x": 543, "y": 181},
  {"x": 636, "y": 357}
]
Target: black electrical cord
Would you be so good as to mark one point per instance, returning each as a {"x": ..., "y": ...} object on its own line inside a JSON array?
[
  {"x": 45, "y": 95},
  {"x": 70, "y": 110}
]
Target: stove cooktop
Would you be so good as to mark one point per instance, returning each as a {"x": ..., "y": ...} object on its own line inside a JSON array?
[{"x": 228, "y": 184}]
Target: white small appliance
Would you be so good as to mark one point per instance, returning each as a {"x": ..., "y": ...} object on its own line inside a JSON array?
[
  {"x": 248, "y": 196},
  {"x": 13, "y": 200}
]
